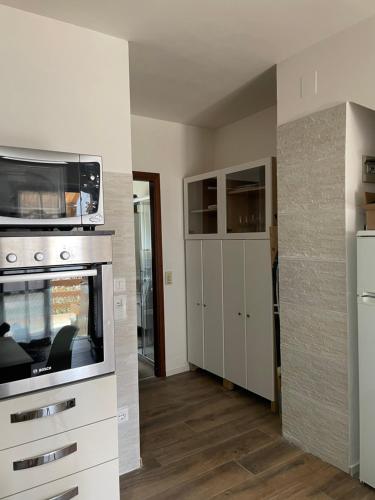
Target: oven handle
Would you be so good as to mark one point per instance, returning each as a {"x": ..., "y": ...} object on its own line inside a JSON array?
[{"x": 16, "y": 278}]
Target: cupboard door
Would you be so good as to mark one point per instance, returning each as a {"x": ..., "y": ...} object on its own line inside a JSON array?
[
  {"x": 234, "y": 317},
  {"x": 194, "y": 301},
  {"x": 259, "y": 319},
  {"x": 201, "y": 198},
  {"x": 212, "y": 307}
]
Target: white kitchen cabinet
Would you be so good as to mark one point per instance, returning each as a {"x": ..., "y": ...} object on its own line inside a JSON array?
[
  {"x": 234, "y": 312},
  {"x": 228, "y": 215},
  {"x": 194, "y": 302},
  {"x": 96, "y": 483},
  {"x": 67, "y": 406},
  {"x": 233, "y": 203},
  {"x": 260, "y": 359},
  {"x": 21, "y": 467},
  {"x": 212, "y": 306},
  {"x": 230, "y": 311},
  {"x": 204, "y": 304}
]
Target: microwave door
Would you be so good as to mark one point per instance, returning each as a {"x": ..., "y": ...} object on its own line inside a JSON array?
[{"x": 39, "y": 188}]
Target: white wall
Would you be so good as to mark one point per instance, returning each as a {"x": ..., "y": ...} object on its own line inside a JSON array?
[
  {"x": 345, "y": 72},
  {"x": 174, "y": 151},
  {"x": 64, "y": 88},
  {"x": 67, "y": 88},
  {"x": 249, "y": 139}
]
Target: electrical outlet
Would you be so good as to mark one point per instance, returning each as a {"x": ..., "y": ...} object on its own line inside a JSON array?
[
  {"x": 123, "y": 415},
  {"x": 168, "y": 278},
  {"x": 120, "y": 307}
]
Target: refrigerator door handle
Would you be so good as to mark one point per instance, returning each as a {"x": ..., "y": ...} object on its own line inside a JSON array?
[{"x": 368, "y": 295}]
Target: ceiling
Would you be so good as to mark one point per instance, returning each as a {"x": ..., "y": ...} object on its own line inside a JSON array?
[{"x": 206, "y": 62}]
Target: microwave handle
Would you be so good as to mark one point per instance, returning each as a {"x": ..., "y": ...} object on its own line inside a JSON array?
[{"x": 16, "y": 278}]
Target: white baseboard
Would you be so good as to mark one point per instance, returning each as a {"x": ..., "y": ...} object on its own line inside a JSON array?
[
  {"x": 354, "y": 470},
  {"x": 176, "y": 371}
]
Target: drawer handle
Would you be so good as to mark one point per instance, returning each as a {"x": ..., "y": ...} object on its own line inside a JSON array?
[
  {"x": 44, "y": 411},
  {"x": 46, "y": 458},
  {"x": 67, "y": 495}
]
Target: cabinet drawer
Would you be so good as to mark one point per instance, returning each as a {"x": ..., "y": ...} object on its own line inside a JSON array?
[
  {"x": 38, "y": 415},
  {"x": 93, "y": 484},
  {"x": 23, "y": 467}
]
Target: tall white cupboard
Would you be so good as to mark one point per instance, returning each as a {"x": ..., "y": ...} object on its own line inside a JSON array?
[{"x": 228, "y": 214}]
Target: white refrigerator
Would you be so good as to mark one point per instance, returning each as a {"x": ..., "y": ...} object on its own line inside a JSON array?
[{"x": 366, "y": 353}]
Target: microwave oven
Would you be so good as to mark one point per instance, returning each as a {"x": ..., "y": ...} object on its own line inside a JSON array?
[{"x": 51, "y": 189}]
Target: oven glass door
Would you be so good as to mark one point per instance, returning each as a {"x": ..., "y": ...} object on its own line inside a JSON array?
[
  {"x": 50, "y": 321},
  {"x": 34, "y": 190}
]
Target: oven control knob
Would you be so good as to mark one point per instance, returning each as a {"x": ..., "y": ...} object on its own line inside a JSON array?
[
  {"x": 11, "y": 258},
  {"x": 92, "y": 177},
  {"x": 39, "y": 256},
  {"x": 65, "y": 255}
]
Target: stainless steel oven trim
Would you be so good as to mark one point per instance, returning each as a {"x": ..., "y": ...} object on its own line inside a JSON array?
[
  {"x": 75, "y": 374},
  {"x": 54, "y": 156},
  {"x": 85, "y": 249},
  {"x": 16, "y": 278}
]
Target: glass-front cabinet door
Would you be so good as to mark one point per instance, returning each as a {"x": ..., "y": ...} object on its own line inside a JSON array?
[
  {"x": 233, "y": 203},
  {"x": 248, "y": 200},
  {"x": 201, "y": 206}
]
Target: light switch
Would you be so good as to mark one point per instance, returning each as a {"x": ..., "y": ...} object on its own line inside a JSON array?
[
  {"x": 119, "y": 285},
  {"x": 120, "y": 307},
  {"x": 168, "y": 278}
]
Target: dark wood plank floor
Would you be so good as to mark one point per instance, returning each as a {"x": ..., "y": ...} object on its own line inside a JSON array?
[{"x": 199, "y": 441}]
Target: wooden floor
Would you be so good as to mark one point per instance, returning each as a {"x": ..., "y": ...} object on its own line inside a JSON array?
[{"x": 199, "y": 441}]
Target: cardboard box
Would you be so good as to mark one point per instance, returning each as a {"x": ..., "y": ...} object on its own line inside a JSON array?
[{"x": 370, "y": 210}]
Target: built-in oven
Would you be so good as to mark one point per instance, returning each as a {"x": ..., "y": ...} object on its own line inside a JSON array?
[
  {"x": 56, "y": 309},
  {"x": 47, "y": 188}
]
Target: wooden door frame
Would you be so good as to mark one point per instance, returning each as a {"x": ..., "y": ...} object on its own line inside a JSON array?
[{"x": 157, "y": 268}]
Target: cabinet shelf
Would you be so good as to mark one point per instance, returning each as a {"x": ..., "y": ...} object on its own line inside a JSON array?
[
  {"x": 246, "y": 189},
  {"x": 204, "y": 211}
]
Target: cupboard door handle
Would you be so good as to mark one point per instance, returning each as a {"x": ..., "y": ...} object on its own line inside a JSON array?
[
  {"x": 198, "y": 303},
  {"x": 204, "y": 305},
  {"x": 44, "y": 411},
  {"x": 67, "y": 495},
  {"x": 247, "y": 315},
  {"x": 239, "y": 314},
  {"x": 46, "y": 458}
]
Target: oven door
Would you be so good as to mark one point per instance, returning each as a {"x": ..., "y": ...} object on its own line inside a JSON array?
[
  {"x": 56, "y": 326},
  {"x": 39, "y": 188}
]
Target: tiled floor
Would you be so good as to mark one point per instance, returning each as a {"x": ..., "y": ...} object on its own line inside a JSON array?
[{"x": 200, "y": 441}]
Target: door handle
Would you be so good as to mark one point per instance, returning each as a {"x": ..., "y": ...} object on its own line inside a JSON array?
[
  {"x": 66, "y": 495},
  {"x": 204, "y": 305},
  {"x": 46, "y": 458},
  {"x": 239, "y": 314},
  {"x": 44, "y": 411},
  {"x": 247, "y": 315}
]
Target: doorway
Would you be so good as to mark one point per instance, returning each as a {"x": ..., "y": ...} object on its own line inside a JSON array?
[{"x": 149, "y": 275}]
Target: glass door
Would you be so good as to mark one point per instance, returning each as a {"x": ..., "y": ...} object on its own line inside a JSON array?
[
  {"x": 144, "y": 275},
  {"x": 245, "y": 192},
  {"x": 202, "y": 202},
  {"x": 50, "y": 321}
]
